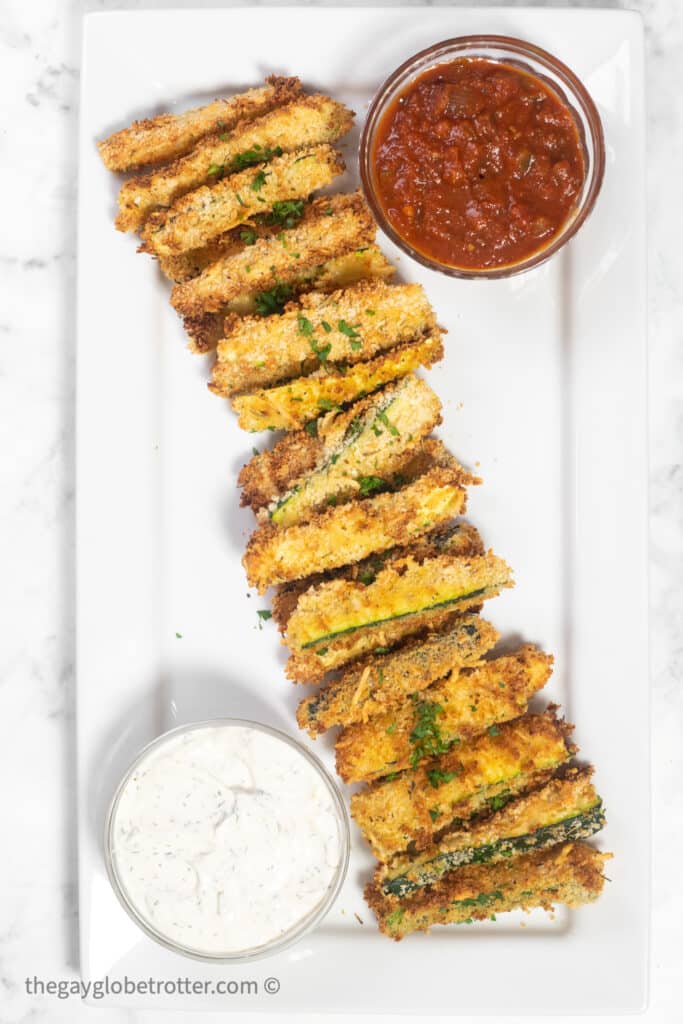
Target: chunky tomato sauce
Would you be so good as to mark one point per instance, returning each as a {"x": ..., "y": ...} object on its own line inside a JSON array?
[{"x": 478, "y": 164}]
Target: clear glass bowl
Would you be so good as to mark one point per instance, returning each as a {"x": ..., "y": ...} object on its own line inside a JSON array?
[
  {"x": 297, "y": 931},
  {"x": 535, "y": 61}
]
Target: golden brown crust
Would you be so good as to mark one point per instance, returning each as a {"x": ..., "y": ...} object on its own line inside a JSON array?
[
  {"x": 293, "y": 404},
  {"x": 196, "y": 218},
  {"x": 268, "y": 263},
  {"x": 270, "y": 473},
  {"x": 206, "y": 330},
  {"x": 338, "y": 622},
  {"x": 459, "y": 538},
  {"x": 305, "y": 121},
  {"x": 409, "y": 813},
  {"x": 571, "y": 873},
  {"x": 347, "y": 533},
  {"x": 381, "y": 682},
  {"x": 259, "y": 354},
  {"x": 168, "y": 136},
  {"x": 465, "y": 704},
  {"x": 571, "y": 793}
]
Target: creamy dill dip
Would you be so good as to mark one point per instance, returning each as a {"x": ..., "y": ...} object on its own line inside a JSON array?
[{"x": 225, "y": 837}]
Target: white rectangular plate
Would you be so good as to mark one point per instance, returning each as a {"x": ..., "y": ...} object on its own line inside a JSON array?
[{"x": 544, "y": 391}]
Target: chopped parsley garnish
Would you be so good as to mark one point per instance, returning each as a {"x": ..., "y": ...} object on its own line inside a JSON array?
[
  {"x": 179, "y": 636},
  {"x": 255, "y": 155},
  {"x": 391, "y": 728},
  {"x": 248, "y": 236},
  {"x": 255, "y": 451},
  {"x": 381, "y": 650},
  {"x": 435, "y": 813},
  {"x": 327, "y": 405},
  {"x": 306, "y": 328},
  {"x": 494, "y": 730},
  {"x": 353, "y": 430},
  {"x": 384, "y": 419},
  {"x": 259, "y": 181},
  {"x": 369, "y": 484},
  {"x": 272, "y": 301},
  {"x": 370, "y": 312},
  {"x": 332, "y": 500},
  {"x": 306, "y": 156},
  {"x": 322, "y": 652},
  {"x": 287, "y": 212},
  {"x": 239, "y": 199},
  {"x": 311, "y": 428},
  {"x": 438, "y": 778},
  {"x": 216, "y": 171},
  {"x": 348, "y": 329},
  {"x": 263, "y": 616},
  {"x": 426, "y": 736},
  {"x": 326, "y": 327},
  {"x": 496, "y": 803}
]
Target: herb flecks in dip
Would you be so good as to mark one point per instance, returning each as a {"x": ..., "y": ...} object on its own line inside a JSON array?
[
  {"x": 225, "y": 838},
  {"x": 478, "y": 164}
]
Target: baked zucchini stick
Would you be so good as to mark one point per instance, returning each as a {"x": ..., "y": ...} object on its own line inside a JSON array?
[
  {"x": 564, "y": 809},
  {"x": 338, "y": 622},
  {"x": 458, "y": 538},
  {"x": 339, "y": 535},
  {"x": 410, "y": 811},
  {"x": 456, "y": 709},
  {"x": 295, "y": 403},
  {"x": 305, "y": 121},
  {"x": 347, "y": 326},
  {"x": 366, "y": 445},
  {"x": 380, "y": 682},
  {"x": 571, "y": 874},
  {"x": 268, "y": 263},
  {"x": 169, "y": 136},
  {"x": 198, "y": 217},
  {"x": 207, "y": 329}
]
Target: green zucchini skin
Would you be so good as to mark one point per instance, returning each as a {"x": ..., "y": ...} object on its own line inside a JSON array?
[
  {"x": 579, "y": 826},
  {"x": 393, "y": 618}
]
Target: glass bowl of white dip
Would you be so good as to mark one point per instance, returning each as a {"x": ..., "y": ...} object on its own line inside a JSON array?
[{"x": 226, "y": 840}]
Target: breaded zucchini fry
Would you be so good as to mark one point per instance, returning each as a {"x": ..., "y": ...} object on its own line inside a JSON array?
[
  {"x": 347, "y": 326},
  {"x": 207, "y": 329},
  {"x": 409, "y": 812},
  {"x": 347, "y": 533},
  {"x": 458, "y": 538},
  {"x": 569, "y": 874},
  {"x": 376, "y": 439},
  {"x": 339, "y": 621},
  {"x": 381, "y": 682},
  {"x": 200, "y": 216},
  {"x": 305, "y": 121},
  {"x": 564, "y": 809},
  {"x": 451, "y": 711},
  {"x": 169, "y": 136},
  {"x": 268, "y": 264},
  {"x": 293, "y": 404}
]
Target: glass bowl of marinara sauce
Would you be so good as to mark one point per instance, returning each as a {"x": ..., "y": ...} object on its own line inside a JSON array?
[{"x": 481, "y": 156}]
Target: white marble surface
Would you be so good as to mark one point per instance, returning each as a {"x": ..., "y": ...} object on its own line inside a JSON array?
[{"x": 39, "y": 56}]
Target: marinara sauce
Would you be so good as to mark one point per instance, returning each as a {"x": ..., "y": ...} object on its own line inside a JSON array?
[{"x": 478, "y": 164}]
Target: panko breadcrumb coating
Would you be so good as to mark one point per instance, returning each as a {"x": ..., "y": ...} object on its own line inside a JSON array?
[
  {"x": 196, "y": 218},
  {"x": 468, "y": 702},
  {"x": 350, "y": 326},
  {"x": 347, "y": 533},
  {"x": 168, "y": 136},
  {"x": 206, "y": 329},
  {"x": 339, "y": 621},
  {"x": 409, "y": 811},
  {"x": 267, "y": 264},
  {"x": 571, "y": 874},
  {"x": 563, "y": 809},
  {"x": 304, "y": 121}
]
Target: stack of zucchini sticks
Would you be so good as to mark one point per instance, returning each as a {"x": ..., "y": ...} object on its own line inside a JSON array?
[{"x": 470, "y": 802}]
